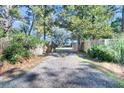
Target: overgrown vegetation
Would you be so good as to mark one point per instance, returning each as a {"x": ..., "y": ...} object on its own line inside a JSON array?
[
  {"x": 102, "y": 53},
  {"x": 20, "y": 47},
  {"x": 27, "y": 41},
  {"x": 14, "y": 52},
  {"x": 111, "y": 53}
]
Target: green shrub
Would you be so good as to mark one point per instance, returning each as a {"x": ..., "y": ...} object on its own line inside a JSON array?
[
  {"x": 121, "y": 56},
  {"x": 14, "y": 52},
  {"x": 102, "y": 53},
  {"x": 20, "y": 47},
  {"x": 118, "y": 46},
  {"x": 31, "y": 42},
  {"x": 94, "y": 51},
  {"x": 113, "y": 52},
  {"x": 27, "y": 41}
]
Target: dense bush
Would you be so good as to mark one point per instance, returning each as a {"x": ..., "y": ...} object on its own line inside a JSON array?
[
  {"x": 118, "y": 46},
  {"x": 27, "y": 41},
  {"x": 31, "y": 42},
  {"x": 113, "y": 52},
  {"x": 20, "y": 47},
  {"x": 14, "y": 52},
  {"x": 102, "y": 53},
  {"x": 121, "y": 55}
]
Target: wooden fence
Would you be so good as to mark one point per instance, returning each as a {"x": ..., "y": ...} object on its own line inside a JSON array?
[
  {"x": 84, "y": 45},
  {"x": 89, "y": 43}
]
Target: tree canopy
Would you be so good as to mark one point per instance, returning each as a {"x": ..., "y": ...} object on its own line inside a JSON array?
[{"x": 84, "y": 22}]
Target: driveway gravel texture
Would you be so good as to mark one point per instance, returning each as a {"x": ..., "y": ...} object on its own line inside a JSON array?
[{"x": 61, "y": 69}]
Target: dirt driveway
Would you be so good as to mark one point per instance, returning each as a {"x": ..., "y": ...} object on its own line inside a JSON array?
[{"x": 62, "y": 69}]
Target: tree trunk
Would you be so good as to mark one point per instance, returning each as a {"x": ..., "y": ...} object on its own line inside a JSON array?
[
  {"x": 44, "y": 22},
  {"x": 78, "y": 41},
  {"x": 122, "y": 18},
  {"x": 7, "y": 21},
  {"x": 31, "y": 27}
]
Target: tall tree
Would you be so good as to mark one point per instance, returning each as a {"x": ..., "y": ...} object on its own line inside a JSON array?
[
  {"x": 43, "y": 20},
  {"x": 8, "y": 15},
  {"x": 89, "y": 22},
  {"x": 116, "y": 25},
  {"x": 28, "y": 19},
  {"x": 48, "y": 11},
  {"x": 123, "y": 18}
]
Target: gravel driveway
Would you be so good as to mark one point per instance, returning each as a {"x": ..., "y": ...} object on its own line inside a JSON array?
[{"x": 62, "y": 69}]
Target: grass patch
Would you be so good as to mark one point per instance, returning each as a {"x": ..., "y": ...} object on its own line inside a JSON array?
[{"x": 120, "y": 82}]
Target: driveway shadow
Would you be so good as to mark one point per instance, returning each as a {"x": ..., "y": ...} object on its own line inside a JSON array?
[
  {"x": 84, "y": 76},
  {"x": 13, "y": 75},
  {"x": 62, "y": 53}
]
